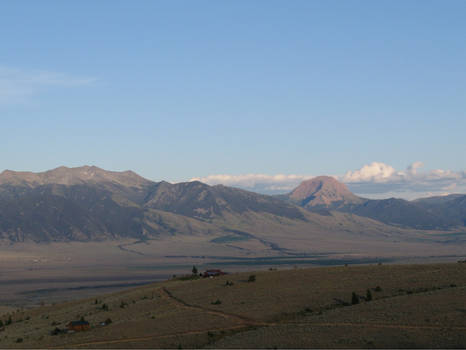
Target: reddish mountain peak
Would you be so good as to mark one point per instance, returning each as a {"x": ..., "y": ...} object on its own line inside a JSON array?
[{"x": 322, "y": 190}]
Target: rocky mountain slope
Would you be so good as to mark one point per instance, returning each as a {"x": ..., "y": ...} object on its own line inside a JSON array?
[
  {"x": 89, "y": 203},
  {"x": 326, "y": 193}
]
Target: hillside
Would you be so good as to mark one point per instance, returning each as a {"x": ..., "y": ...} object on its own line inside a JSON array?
[{"x": 411, "y": 306}]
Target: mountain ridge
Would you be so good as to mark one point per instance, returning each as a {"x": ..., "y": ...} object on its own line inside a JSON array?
[
  {"x": 326, "y": 193},
  {"x": 89, "y": 203}
]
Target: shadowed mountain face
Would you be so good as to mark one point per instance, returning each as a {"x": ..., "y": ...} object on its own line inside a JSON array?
[
  {"x": 325, "y": 193},
  {"x": 89, "y": 203},
  {"x": 198, "y": 200}
]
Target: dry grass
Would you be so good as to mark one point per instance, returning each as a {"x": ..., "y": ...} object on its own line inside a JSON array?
[
  {"x": 418, "y": 306},
  {"x": 427, "y": 320},
  {"x": 288, "y": 292}
]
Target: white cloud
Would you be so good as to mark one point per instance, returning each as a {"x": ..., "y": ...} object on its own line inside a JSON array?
[
  {"x": 376, "y": 172},
  {"x": 412, "y": 169},
  {"x": 379, "y": 179},
  {"x": 374, "y": 180},
  {"x": 279, "y": 183},
  {"x": 16, "y": 84}
]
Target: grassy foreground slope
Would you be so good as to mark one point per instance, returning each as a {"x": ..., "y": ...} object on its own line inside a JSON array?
[{"x": 411, "y": 306}]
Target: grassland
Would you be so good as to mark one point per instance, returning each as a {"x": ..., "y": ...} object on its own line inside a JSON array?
[{"x": 412, "y": 306}]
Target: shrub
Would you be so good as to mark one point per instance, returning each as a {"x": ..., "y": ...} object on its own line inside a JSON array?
[
  {"x": 105, "y": 307},
  {"x": 56, "y": 331},
  {"x": 8, "y": 321},
  {"x": 354, "y": 298},
  {"x": 194, "y": 270},
  {"x": 19, "y": 340},
  {"x": 378, "y": 289},
  {"x": 228, "y": 283},
  {"x": 216, "y": 302},
  {"x": 368, "y": 295},
  {"x": 123, "y": 304},
  {"x": 252, "y": 278},
  {"x": 1, "y": 323},
  {"x": 108, "y": 321}
]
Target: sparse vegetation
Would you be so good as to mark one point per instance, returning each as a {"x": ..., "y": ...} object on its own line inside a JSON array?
[
  {"x": 309, "y": 296},
  {"x": 252, "y": 278},
  {"x": 56, "y": 331},
  {"x": 354, "y": 298},
  {"x": 105, "y": 307},
  {"x": 368, "y": 295}
]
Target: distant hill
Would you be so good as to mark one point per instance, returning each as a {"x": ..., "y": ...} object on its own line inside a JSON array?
[{"x": 325, "y": 193}]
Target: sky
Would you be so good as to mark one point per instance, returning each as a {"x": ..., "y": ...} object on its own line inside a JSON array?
[{"x": 254, "y": 94}]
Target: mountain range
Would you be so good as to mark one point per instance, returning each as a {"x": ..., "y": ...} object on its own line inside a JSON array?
[
  {"x": 91, "y": 204},
  {"x": 433, "y": 213}
]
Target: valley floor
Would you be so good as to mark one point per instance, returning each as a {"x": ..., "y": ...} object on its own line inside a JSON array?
[
  {"x": 35, "y": 274},
  {"x": 398, "y": 306}
]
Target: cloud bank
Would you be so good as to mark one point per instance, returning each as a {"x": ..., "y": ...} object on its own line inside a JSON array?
[
  {"x": 379, "y": 180},
  {"x": 16, "y": 84},
  {"x": 269, "y": 184},
  {"x": 374, "y": 180}
]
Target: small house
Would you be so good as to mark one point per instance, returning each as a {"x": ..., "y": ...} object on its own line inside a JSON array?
[
  {"x": 78, "y": 326},
  {"x": 213, "y": 273}
]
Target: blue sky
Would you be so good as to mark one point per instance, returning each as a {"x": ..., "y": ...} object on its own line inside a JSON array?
[{"x": 181, "y": 89}]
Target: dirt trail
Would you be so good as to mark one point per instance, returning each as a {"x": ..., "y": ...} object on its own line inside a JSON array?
[
  {"x": 238, "y": 318},
  {"x": 245, "y": 322},
  {"x": 146, "y": 338}
]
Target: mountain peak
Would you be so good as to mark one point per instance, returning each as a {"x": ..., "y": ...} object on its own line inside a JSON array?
[
  {"x": 72, "y": 176},
  {"x": 322, "y": 191}
]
